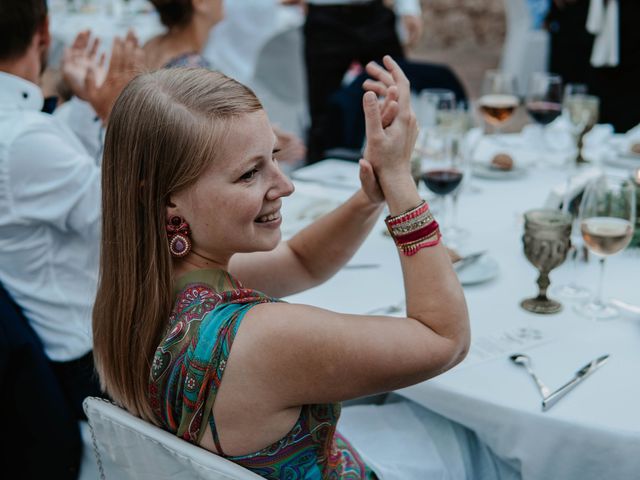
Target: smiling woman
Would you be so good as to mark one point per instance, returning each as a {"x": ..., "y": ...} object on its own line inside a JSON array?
[{"x": 191, "y": 198}]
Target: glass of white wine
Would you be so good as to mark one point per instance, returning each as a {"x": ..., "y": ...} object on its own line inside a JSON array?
[{"x": 607, "y": 215}]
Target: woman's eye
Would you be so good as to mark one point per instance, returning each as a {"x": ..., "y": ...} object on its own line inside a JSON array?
[{"x": 249, "y": 175}]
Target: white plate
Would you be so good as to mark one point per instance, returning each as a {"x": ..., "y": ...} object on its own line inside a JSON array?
[
  {"x": 483, "y": 170},
  {"x": 485, "y": 269}
]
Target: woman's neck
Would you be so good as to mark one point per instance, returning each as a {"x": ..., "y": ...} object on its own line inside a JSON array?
[
  {"x": 191, "y": 38},
  {"x": 198, "y": 261}
]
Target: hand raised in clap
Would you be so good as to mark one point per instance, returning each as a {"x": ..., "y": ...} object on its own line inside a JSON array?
[
  {"x": 126, "y": 62},
  {"x": 78, "y": 59},
  {"x": 391, "y": 124}
]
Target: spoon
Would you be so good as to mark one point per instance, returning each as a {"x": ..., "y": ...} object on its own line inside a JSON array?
[{"x": 524, "y": 361}]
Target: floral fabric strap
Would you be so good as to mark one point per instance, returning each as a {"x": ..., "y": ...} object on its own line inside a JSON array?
[{"x": 414, "y": 229}]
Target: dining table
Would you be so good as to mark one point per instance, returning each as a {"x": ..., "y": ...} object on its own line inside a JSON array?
[{"x": 591, "y": 433}]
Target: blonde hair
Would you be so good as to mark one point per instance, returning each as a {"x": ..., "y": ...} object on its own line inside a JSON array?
[{"x": 162, "y": 133}]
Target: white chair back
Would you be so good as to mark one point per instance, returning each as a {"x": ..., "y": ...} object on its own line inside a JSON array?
[
  {"x": 525, "y": 50},
  {"x": 127, "y": 447}
]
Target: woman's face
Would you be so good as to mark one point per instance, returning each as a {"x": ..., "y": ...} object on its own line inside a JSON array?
[{"x": 235, "y": 204}]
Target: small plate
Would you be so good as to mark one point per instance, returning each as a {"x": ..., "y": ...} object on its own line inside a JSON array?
[
  {"x": 483, "y": 170},
  {"x": 483, "y": 270}
]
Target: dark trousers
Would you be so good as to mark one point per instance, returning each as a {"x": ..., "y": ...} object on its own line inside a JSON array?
[
  {"x": 571, "y": 46},
  {"x": 40, "y": 401},
  {"x": 336, "y": 36},
  {"x": 78, "y": 380}
]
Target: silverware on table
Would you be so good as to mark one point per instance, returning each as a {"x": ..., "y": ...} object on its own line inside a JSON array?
[
  {"x": 524, "y": 361},
  {"x": 580, "y": 375},
  {"x": 467, "y": 260},
  {"x": 358, "y": 266},
  {"x": 387, "y": 309},
  {"x": 627, "y": 307}
]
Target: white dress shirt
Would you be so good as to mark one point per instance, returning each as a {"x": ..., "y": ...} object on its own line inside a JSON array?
[
  {"x": 49, "y": 220},
  {"x": 401, "y": 7}
]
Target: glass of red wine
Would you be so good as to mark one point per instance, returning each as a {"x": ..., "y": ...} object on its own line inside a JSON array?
[
  {"x": 443, "y": 179},
  {"x": 544, "y": 101}
]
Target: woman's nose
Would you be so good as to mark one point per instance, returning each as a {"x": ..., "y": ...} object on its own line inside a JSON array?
[{"x": 282, "y": 185}]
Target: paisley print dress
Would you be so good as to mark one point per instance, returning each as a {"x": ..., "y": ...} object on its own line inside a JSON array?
[{"x": 188, "y": 368}]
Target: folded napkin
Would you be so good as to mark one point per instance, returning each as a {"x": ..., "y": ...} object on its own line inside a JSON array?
[
  {"x": 604, "y": 22},
  {"x": 572, "y": 189},
  {"x": 603, "y": 144}
]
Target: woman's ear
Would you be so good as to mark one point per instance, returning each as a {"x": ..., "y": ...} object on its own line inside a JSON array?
[
  {"x": 199, "y": 5},
  {"x": 171, "y": 209}
]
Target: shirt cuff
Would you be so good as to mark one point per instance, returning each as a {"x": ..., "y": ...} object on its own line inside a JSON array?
[{"x": 407, "y": 7}]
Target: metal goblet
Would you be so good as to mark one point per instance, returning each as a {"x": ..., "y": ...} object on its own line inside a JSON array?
[{"x": 546, "y": 239}]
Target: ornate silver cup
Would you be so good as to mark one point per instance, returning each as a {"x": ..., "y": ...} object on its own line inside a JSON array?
[{"x": 547, "y": 238}]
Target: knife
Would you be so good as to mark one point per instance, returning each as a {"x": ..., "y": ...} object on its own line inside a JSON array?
[
  {"x": 468, "y": 260},
  {"x": 580, "y": 375}
]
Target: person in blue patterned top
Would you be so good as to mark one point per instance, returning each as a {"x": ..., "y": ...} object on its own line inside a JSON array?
[{"x": 189, "y": 23}]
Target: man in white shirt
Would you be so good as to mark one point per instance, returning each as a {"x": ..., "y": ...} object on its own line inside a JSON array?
[
  {"x": 340, "y": 32},
  {"x": 50, "y": 197}
]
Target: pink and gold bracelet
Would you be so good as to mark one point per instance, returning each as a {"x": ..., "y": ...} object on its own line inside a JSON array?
[{"x": 414, "y": 229}]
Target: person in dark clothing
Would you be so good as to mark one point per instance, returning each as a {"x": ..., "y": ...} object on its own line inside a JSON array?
[{"x": 571, "y": 47}]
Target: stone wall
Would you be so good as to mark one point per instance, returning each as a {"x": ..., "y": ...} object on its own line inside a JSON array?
[
  {"x": 467, "y": 35},
  {"x": 461, "y": 23}
]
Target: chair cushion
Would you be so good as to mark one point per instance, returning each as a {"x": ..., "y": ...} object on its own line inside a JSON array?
[{"x": 131, "y": 448}]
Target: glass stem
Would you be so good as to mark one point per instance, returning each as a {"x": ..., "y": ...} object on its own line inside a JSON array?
[
  {"x": 454, "y": 210},
  {"x": 444, "y": 215},
  {"x": 598, "y": 300}
]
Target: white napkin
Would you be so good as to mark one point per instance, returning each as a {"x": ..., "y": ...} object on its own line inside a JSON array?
[
  {"x": 572, "y": 188},
  {"x": 602, "y": 144},
  {"x": 604, "y": 22},
  {"x": 525, "y": 147}
]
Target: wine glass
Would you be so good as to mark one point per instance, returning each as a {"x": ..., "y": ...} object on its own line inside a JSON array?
[
  {"x": 460, "y": 125},
  {"x": 607, "y": 216},
  {"x": 498, "y": 100},
  {"x": 443, "y": 176},
  {"x": 433, "y": 105},
  {"x": 582, "y": 111},
  {"x": 544, "y": 101},
  {"x": 546, "y": 241}
]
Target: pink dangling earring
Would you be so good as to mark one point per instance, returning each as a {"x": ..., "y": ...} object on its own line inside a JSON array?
[{"x": 178, "y": 234}]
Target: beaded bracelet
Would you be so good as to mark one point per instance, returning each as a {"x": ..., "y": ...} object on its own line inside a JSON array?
[
  {"x": 414, "y": 229},
  {"x": 407, "y": 215}
]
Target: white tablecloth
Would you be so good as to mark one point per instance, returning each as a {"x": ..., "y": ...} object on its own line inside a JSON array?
[{"x": 594, "y": 432}]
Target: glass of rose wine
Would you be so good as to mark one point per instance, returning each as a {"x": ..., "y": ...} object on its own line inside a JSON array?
[
  {"x": 607, "y": 215},
  {"x": 498, "y": 101}
]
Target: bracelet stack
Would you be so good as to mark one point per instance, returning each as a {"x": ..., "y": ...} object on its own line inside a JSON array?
[{"x": 414, "y": 229}]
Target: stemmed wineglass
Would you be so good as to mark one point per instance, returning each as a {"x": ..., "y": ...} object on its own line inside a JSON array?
[
  {"x": 544, "y": 101},
  {"x": 498, "y": 100},
  {"x": 582, "y": 111},
  {"x": 607, "y": 215},
  {"x": 441, "y": 168},
  {"x": 432, "y": 108},
  {"x": 443, "y": 177}
]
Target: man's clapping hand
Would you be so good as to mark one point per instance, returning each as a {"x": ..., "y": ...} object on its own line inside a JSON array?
[{"x": 88, "y": 77}]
